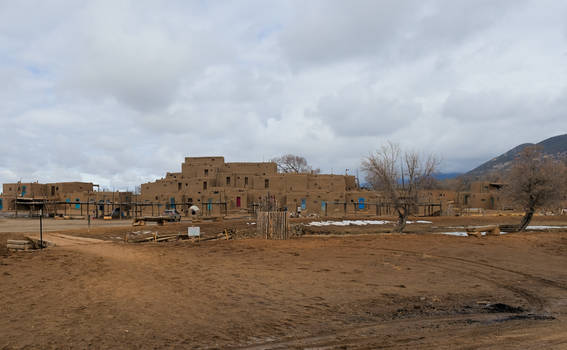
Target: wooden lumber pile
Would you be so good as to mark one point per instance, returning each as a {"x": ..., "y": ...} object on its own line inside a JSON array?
[
  {"x": 26, "y": 244},
  {"x": 160, "y": 220},
  {"x": 491, "y": 230},
  {"x": 19, "y": 244},
  {"x": 156, "y": 237}
]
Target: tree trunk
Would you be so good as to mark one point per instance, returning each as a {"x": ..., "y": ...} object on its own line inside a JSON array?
[
  {"x": 402, "y": 219},
  {"x": 526, "y": 219}
]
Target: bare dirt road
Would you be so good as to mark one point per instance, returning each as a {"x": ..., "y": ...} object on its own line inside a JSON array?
[{"x": 372, "y": 291}]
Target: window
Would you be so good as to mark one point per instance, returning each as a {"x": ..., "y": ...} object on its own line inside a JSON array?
[
  {"x": 267, "y": 183},
  {"x": 179, "y": 186},
  {"x": 206, "y": 172},
  {"x": 228, "y": 180},
  {"x": 246, "y": 181},
  {"x": 204, "y": 185}
]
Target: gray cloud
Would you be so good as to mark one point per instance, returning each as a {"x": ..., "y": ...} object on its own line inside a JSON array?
[
  {"x": 119, "y": 92},
  {"x": 326, "y": 31},
  {"x": 356, "y": 111}
]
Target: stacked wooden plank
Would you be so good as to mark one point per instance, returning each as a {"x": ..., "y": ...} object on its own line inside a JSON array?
[
  {"x": 156, "y": 237},
  {"x": 20, "y": 244},
  {"x": 153, "y": 237},
  {"x": 273, "y": 224},
  {"x": 28, "y": 243}
]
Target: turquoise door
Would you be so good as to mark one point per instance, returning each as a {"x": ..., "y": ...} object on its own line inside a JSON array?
[
  {"x": 303, "y": 204},
  {"x": 361, "y": 203}
]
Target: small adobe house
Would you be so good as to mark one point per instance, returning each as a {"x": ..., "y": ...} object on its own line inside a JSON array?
[{"x": 63, "y": 198}]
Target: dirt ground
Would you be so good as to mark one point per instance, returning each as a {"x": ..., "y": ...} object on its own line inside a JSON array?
[{"x": 338, "y": 287}]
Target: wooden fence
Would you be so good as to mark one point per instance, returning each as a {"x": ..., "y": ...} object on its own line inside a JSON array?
[{"x": 273, "y": 224}]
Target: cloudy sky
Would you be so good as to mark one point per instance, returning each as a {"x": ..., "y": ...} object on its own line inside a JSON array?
[{"x": 119, "y": 92}]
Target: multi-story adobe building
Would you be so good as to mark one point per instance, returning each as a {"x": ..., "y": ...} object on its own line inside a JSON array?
[{"x": 217, "y": 187}]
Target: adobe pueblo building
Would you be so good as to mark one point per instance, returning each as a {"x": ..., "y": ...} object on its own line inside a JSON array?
[
  {"x": 64, "y": 199},
  {"x": 217, "y": 188}
]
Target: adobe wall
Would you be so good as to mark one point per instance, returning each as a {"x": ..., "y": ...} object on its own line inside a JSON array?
[
  {"x": 24, "y": 189},
  {"x": 237, "y": 186}
]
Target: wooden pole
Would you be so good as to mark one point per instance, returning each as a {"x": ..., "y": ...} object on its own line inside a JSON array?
[{"x": 41, "y": 228}]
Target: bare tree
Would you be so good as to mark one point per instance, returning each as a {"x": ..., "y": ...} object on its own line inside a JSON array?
[
  {"x": 534, "y": 181},
  {"x": 290, "y": 163},
  {"x": 399, "y": 176}
]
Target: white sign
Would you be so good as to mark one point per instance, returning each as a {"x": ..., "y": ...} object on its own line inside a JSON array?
[{"x": 194, "y": 231}]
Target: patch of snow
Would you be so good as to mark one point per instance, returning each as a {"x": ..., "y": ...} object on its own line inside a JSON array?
[
  {"x": 459, "y": 234},
  {"x": 543, "y": 227},
  {"x": 348, "y": 222},
  {"x": 360, "y": 222}
]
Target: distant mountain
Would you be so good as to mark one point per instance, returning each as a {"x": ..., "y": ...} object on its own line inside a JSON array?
[
  {"x": 554, "y": 146},
  {"x": 444, "y": 176}
]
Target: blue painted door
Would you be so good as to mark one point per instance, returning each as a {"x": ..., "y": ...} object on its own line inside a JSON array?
[
  {"x": 361, "y": 203},
  {"x": 77, "y": 206},
  {"x": 172, "y": 202},
  {"x": 1, "y": 204},
  {"x": 303, "y": 204},
  {"x": 210, "y": 204}
]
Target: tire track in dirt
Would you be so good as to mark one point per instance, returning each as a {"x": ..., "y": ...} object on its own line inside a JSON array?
[
  {"x": 386, "y": 334},
  {"x": 542, "y": 280},
  {"x": 468, "y": 266},
  {"x": 365, "y": 337},
  {"x": 532, "y": 299}
]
